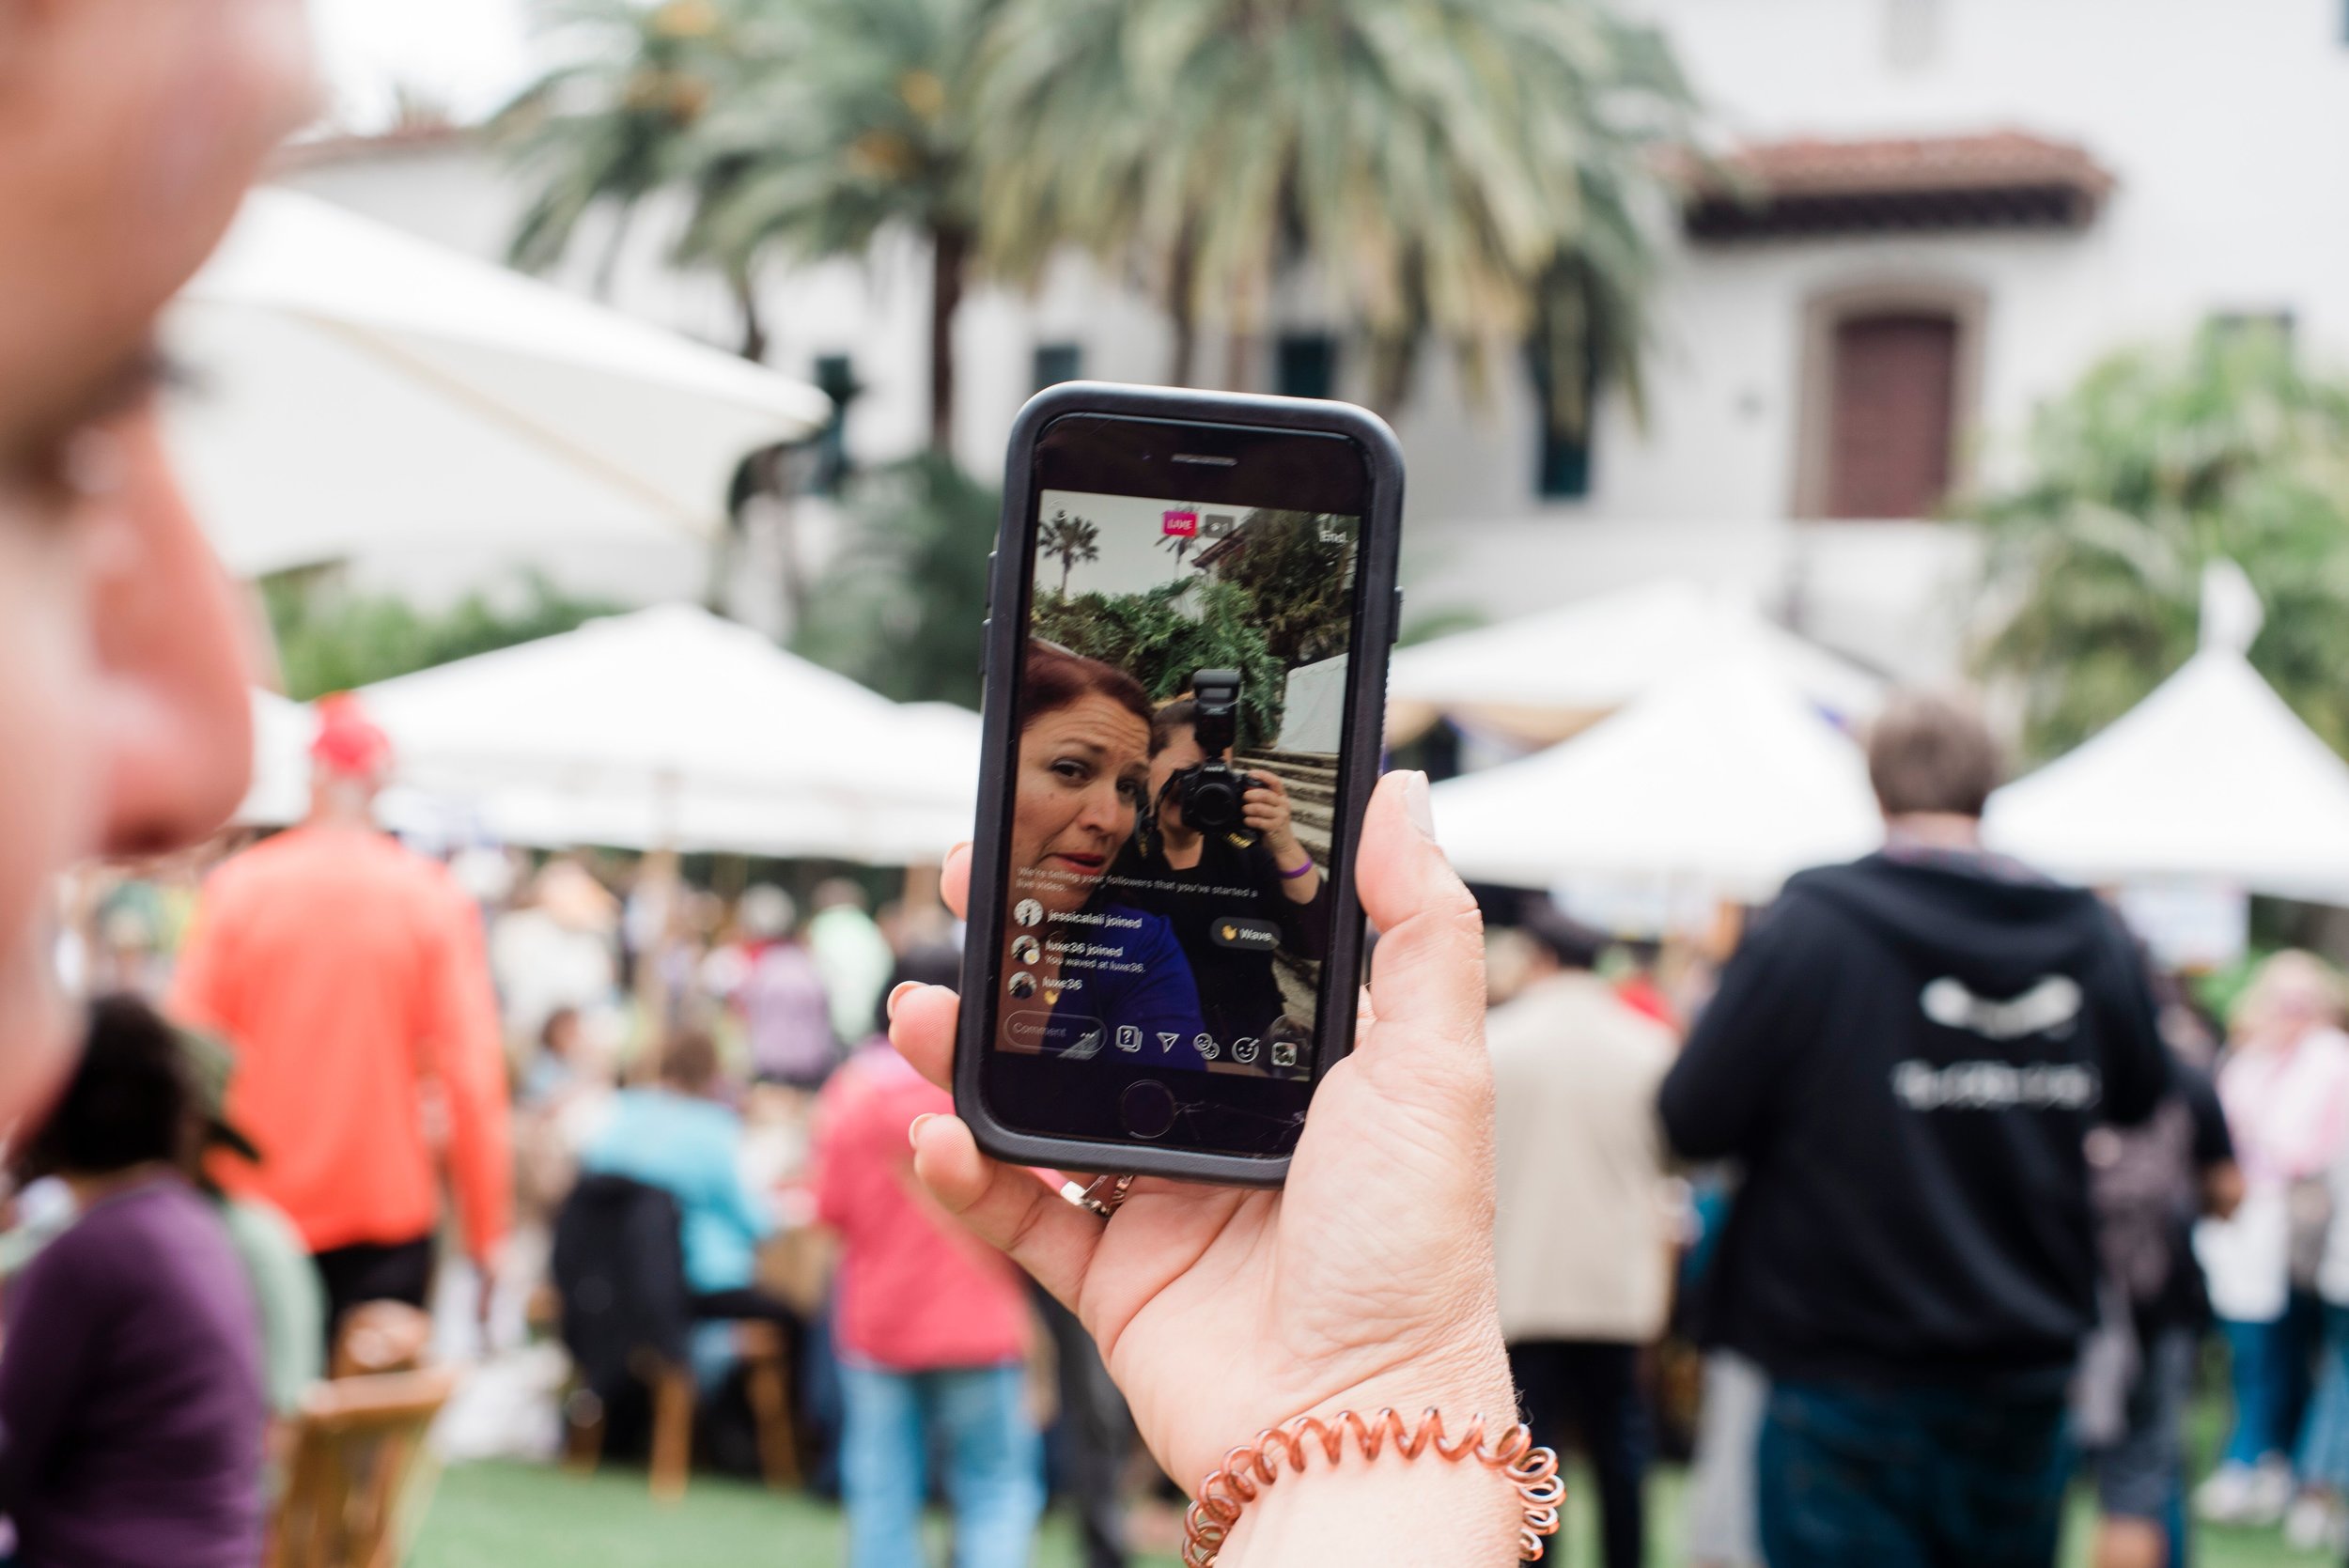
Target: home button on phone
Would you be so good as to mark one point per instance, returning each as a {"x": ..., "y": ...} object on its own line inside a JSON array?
[{"x": 1148, "y": 1109}]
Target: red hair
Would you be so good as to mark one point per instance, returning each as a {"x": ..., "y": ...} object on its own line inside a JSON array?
[{"x": 1055, "y": 678}]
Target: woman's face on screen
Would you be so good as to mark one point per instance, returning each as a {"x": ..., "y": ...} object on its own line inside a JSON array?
[{"x": 1084, "y": 767}]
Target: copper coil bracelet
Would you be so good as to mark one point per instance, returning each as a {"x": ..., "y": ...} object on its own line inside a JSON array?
[{"x": 1248, "y": 1469}]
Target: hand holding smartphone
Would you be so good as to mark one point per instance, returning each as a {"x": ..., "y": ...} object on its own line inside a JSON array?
[
  {"x": 1365, "y": 1281},
  {"x": 1190, "y": 610}
]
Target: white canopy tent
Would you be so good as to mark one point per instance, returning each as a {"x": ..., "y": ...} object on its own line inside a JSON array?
[
  {"x": 2212, "y": 778},
  {"x": 280, "y": 791},
  {"x": 358, "y": 386},
  {"x": 670, "y": 728},
  {"x": 1726, "y": 778},
  {"x": 1543, "y": 677}
]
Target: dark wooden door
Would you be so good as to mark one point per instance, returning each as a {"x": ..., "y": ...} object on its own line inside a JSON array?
[{"x": 1895, "y": 395}]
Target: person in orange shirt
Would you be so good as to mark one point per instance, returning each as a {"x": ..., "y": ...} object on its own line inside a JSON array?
[{"x": 348, "y": 973}]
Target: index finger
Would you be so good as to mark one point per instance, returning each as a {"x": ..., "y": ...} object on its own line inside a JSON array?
[
  {"x": 954, "y": 881},
  {"x": 922, "y": 1023}
]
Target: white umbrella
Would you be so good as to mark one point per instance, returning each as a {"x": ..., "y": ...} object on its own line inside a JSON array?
[
  {"x": 670, "y": 728},
  {"x": 359, "y": 386},
  {"x": 1725, "y": 776},
  {"x": 2212, "y": 777},
  {"x": 1543, "y": 677}
]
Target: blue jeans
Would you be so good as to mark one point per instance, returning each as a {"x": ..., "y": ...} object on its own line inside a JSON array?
[
  {"x": 2258, "y": 1375},
  {"x": 1849, "y": 1477},
  {"x": 976, "y": 1421},
  {"x": 2323, "y": 1457}
]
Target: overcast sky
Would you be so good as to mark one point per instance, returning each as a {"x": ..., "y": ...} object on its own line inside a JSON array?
[
  {"x": 1133, "y": 554},
  {"x": 466, "y": 55}
]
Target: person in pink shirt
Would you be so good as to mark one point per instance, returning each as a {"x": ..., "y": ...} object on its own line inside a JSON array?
[
  {"x": 931, "y": 1326},
  {"x": 2285, "y": 1086}
]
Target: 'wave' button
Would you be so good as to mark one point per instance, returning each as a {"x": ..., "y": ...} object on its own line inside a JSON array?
[{"x": 1250, "y": 935}]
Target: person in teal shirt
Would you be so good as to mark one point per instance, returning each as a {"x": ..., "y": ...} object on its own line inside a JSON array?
[{"x": 678, "y": 1138}]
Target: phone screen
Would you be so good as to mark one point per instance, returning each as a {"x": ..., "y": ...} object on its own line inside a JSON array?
[{"x": 1181, "y": 714}]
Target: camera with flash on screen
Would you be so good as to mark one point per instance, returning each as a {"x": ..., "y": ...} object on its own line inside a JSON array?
[{"x": 1211, "y": 792}]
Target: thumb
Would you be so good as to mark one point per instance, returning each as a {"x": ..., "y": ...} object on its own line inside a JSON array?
[
  {"x": 1429, "y": 971},
  {"x": 954, "y": 881}
]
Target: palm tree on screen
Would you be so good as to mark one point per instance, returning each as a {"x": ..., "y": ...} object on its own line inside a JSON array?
[{"x": 1068, "y": 540}]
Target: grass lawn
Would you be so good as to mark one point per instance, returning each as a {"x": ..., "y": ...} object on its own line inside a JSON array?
[
  {"x": 505, "y": 1515},
  {"x": 510, "y": 1515}
]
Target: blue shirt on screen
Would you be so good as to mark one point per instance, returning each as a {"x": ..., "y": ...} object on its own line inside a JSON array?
[{"x": 1138, "y": 979}]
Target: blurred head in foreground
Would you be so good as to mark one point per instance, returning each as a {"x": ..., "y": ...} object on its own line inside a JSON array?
[
  {"x": 128, "y": 133},
  {"x": 1931, "y": 756}
]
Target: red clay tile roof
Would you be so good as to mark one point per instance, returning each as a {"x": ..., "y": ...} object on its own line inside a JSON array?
[
  {"x": 2000, "y": 178},
  {"x": 336, "y": 146}
]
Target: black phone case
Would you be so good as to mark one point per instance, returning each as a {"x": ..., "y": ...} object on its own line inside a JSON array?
[{"x": 1375, "y": 634}]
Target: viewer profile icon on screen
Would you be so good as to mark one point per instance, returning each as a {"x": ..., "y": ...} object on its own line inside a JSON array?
[
  {"x": 1026, "y": 949},
  {"x": 1024, "y": 984},
  {"x": 1027, "y": 912}
]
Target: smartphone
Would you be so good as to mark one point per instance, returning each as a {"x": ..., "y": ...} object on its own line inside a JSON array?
[{"x": 1191, "y": 606}]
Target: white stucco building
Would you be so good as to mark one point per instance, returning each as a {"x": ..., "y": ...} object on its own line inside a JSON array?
[{"x": 1957, "y": 206}]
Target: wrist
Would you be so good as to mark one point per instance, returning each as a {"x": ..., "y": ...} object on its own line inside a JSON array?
[
  {"x": 1424, "y": 1513},
  {"x": 1424, "y": 1509}
]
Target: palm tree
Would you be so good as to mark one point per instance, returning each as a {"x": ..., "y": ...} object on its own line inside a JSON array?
[
  {"x": 1469, "y": 170},
  {"x": 1070, "y": 540},
  {"x": 865, "y": 131},
  {"x": 613, "y": 123},
  {"x": 2156, "y": 463}
]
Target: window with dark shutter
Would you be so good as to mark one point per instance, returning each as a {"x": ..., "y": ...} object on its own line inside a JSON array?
[
  {"x": 835, "y": 376},
  {"x": 1894, "y": 404},
  {"x": 1306, "y": 364},
  {"x": 1055, "y": 363}
]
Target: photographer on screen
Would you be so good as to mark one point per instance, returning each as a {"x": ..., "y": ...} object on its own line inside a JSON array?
[{"x": 1218, "y": 846}]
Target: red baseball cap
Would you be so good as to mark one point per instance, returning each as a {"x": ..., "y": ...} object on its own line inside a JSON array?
[{"x": 349, "y": 744}]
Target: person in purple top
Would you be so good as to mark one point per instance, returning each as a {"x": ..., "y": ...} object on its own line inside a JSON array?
[{"x": 131, "y": 1402}]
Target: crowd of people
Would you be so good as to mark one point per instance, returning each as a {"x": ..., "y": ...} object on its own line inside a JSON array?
[
  {"x": 1933, "y": 1167},
  {"x": 1971, "y": 1190},
  {"x": 371, "y": 1024},
  {"x": 1955, "y": 1186}
]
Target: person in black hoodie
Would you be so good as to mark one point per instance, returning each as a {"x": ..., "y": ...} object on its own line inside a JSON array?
[{"x": 1905, "y": 1054}]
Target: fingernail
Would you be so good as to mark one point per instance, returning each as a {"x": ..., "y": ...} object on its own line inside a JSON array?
[
  {"x": 1418, "y": 805},
  {"x": 896, "y": 991},
  {"x": 913, "y": 1129}
]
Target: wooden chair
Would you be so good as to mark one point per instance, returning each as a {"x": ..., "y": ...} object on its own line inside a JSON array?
[
  {"x": 379, "y": 1337},
  {"x": 357, "y": 1471},
  {"x": 675, "y": 1397}
]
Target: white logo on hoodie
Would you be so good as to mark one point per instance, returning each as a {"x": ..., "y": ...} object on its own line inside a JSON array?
[
  {"x": 2048, "y": 1007},
  {"x": 2051, "y": 1006}
]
